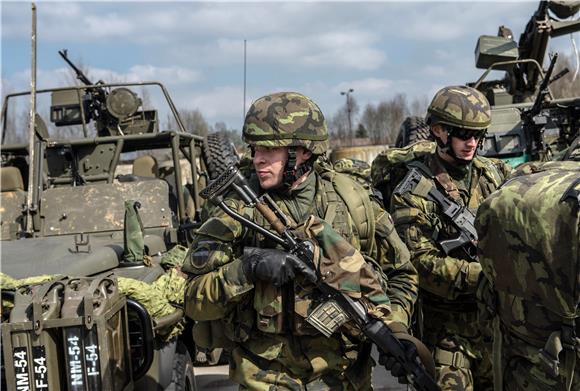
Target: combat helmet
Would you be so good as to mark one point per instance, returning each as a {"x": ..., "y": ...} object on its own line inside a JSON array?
[
  {"x": 286, "y": 119},
  {"x": 460, "y": 107}
]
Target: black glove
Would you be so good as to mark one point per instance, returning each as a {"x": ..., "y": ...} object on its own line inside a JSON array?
[
  {"x": 397, "y": 369},
  {"x": 274, "y": 265}
]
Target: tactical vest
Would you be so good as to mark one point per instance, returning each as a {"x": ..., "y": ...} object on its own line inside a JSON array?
[
  {"x": 427, "y": 178},
  {"x": 530, "y": 252},
  {"x": 346, "y": 205},
  {"x": 340, "y": 201},
  {"x": 391, "y": 166}
]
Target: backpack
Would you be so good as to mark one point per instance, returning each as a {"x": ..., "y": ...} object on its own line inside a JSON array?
[
  {"x": 358, "y": 200},
  {"x": 390, "y": 166},
  {"x": 529, "y": 244}
]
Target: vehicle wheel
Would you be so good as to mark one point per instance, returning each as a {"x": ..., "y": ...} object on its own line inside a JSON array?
[
  {"x": 219, "y": 153},
  {"x": 183, "y": 378},
  {"x": 412, "y": 129}
]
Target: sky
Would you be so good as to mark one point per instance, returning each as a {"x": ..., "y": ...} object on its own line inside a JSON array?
[{"x": 196, "y": 49}]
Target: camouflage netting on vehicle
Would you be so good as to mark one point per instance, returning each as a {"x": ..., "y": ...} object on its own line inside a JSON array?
[
  {"x": 529, "y": 243},
  {"x": 161, "y": 298}
]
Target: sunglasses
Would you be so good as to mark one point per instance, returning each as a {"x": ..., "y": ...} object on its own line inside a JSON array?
[{"x": 466, "y": 134}]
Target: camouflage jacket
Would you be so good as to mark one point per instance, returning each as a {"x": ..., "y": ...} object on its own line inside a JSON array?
[
  {"x": 220, "y": 285},
  {"x": 529, "y": 254},
  {"x": 446, "y": 280}
]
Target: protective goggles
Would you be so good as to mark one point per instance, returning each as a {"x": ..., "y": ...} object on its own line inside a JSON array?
[{"x": 466, "y": 134}]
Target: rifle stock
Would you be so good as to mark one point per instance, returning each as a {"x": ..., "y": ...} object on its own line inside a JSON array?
[{"x": 419, "y": 374}]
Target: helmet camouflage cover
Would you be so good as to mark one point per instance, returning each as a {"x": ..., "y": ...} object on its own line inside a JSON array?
[
  {"x": 461, "y": 107},
  {"x": 286, "y": 119}
]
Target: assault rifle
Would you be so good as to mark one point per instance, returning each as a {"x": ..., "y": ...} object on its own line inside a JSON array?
[
  {"x": 420, "y": 374},
  {"x": 460, "y": 216}
]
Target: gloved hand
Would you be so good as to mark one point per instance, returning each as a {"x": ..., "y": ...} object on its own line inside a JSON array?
[
  {"x": 276, "y": 266},
  {"x": 394, "y": 367},
  {"x": 414, "y": 350}
]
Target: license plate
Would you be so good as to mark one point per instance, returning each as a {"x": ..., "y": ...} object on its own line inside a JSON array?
[
  {"x": 21, "y": 368},
  {"x": 39, "y": 368}
]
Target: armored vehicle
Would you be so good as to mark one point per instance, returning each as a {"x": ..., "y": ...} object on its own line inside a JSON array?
[
  {"x": 102, "y": 208},
  {"x": 528, "y": 122}
]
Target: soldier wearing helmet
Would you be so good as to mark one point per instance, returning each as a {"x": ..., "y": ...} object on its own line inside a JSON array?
[
  {"x": 249, "y": 296},
  {"x": 458, "y": 118}
]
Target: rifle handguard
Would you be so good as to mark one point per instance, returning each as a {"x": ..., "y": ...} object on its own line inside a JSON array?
[{"x": 220, "y": 184}]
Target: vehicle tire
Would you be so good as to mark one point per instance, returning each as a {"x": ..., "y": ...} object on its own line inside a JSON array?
[
  {"x": 219, "y": 153},
  {"x": 412, "y": 129},
  {"x": 183, "y": 378}
]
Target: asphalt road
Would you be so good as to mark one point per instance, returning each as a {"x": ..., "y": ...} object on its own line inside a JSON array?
[{"x": 216, "y": 379}]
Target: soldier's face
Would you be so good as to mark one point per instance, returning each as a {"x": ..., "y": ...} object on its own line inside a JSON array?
[
  {"x": 463, "y": 149},
  {"x": 269, "y": 164}
]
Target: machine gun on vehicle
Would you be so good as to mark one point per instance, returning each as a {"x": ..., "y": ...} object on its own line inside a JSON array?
[
  {"x": 114, "y": 110},
  {"x": 522, "y": 61},
  {"x": 509, "y": 96},
  {"x": 513, "y": 136},
  {"x": 533, "y": 119},
  {"x": 420, "y": 374}
]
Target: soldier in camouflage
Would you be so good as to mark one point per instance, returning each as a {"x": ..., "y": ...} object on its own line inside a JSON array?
[
  {"x": 458, "y": 119},
  {"x": 529, "y": 255},
  {"x": 252, "y": 298}
]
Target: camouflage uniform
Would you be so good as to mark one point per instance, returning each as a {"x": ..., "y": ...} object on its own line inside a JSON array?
[
  {"x": 448, "y": 282},
  {"x": 529, "y": 257},
  {"x": 271, "y": 348},
  {"x": 358, "y": 169}
]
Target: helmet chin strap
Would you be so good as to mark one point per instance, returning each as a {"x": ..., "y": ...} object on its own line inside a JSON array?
[{"x": 292, "y": 172}]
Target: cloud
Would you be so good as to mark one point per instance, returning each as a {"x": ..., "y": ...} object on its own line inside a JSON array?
[
  {"x": 369, "y": 86},
  {"x": 434, "y": 70},
  {"x": 169, "y": 75},
  {"x": 345, "y": 49},
  {"x": 59, "y": 77},
  {"x": 437, "y": 21},
  {"x": 216, "y": 103}
]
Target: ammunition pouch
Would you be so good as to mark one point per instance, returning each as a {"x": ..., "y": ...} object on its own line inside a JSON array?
[{"x": 234, "y": 328}]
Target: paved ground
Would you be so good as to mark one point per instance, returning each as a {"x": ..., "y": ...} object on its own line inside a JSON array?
[{"x": 216, "y": 379}]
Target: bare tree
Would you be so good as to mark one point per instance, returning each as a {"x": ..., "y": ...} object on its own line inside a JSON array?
[
  {"x": 338, "y": 128},
  {"x": 419, "y": 106},
  {"x": 231, "y": 134},
  {"x": 339, "y": 125},
  {"x": 382, "y": 121},
  {"x": 193, "y": 121}
]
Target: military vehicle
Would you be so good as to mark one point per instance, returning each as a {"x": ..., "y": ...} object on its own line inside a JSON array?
[
  {"x": 68, "y": 210},
  {"x": 528, "y": 123}
]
